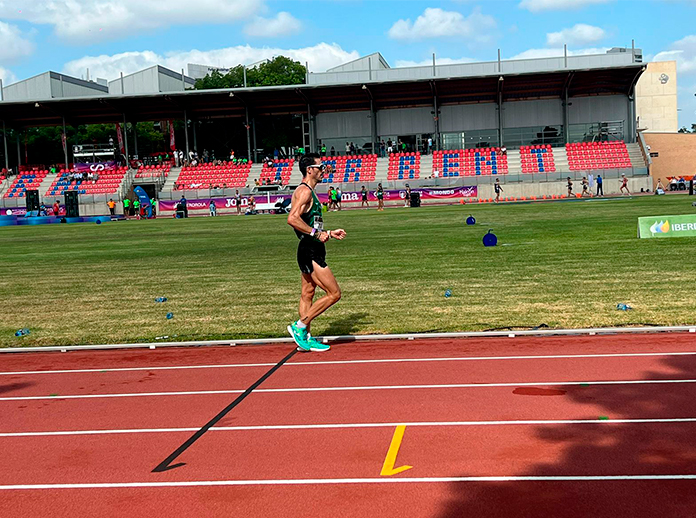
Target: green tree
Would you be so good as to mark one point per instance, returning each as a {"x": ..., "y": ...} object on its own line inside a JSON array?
[{"x": 277, "y": 71}]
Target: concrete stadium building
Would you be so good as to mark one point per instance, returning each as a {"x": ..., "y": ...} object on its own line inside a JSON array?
[{"x": 548, "y": 101}]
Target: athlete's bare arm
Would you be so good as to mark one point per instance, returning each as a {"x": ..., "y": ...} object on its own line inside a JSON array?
[{"x": 301, "y": 200}]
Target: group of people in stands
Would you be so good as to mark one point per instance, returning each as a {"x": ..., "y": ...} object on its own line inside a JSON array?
[{"x": 78, "y": 177}]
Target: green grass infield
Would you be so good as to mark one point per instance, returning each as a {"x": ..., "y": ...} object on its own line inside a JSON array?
[{"x": 563, "y": 264}]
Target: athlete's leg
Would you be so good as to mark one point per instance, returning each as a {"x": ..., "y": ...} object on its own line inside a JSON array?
[
  {"x": 324, "y": 278},
  {"x": 308, "y": 289}
]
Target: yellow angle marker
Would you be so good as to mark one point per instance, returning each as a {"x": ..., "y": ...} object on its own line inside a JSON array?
[{"x": 388, "y": 468}]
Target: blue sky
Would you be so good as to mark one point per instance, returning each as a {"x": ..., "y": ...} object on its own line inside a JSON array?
[{"x": 109, "y": 36}]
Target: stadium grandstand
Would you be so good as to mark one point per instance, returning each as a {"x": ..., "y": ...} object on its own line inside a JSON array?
[{"x": 531, "y": 122}]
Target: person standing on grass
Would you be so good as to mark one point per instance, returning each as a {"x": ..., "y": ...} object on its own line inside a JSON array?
[
  {"x": 600, "y": 189},
  {"x": 339, "y": 198},
  {"x": 238, "y": 201},
  {"x": 306, "y": 219},
  {"x": 498, "y": 189},
  {"x": 570, "y": 187},
  {"x": 363, "y": 194},
  {"x": 380, "y": 197},
  {"x": 624, "y": 185}
]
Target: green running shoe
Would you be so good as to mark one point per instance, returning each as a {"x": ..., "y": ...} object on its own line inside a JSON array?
[
  {"x": 317, "y": 346},
  {"x": 299, "y": 335}
]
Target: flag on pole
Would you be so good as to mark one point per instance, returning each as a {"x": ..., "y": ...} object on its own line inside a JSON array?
[
  {"x": 120, "y": 139},
  {"x": 64, "y": 141},
  {"x": 172, "y": 141}
]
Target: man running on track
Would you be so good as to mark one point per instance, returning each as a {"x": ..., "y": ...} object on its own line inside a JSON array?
[
  {"x": 570, "y": 187},
  {"x": 624, "y": 185},
  {"x": 498, "y": 189},
  {"x": 380, "y": 197},
  {"x": 306, "y": 218},
  {"x": 364, "y": 202}
]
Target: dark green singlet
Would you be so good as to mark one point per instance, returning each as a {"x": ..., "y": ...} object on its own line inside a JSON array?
[{"x": 313, "y": 217}]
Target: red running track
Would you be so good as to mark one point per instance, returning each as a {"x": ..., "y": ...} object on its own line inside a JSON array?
[{"x": 275, "y": 453}]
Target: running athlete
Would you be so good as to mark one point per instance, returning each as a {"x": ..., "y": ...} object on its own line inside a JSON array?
[
  {"x": 407, "y": 196},
  {"x": 498, "y": 189},
  {"x": 238, "y": 201},
  {"x": 364, "y": 202},
  {"x": 380, "y": 197},
  {"x": 306, "y": 218},
  {"x": 585, "y": 186},
  {"x": 624, "y": 185},
  {"x": 570, "y": 187}
]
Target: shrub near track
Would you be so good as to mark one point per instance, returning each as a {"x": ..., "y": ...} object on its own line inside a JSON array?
[{"x": 564, "y": 264}]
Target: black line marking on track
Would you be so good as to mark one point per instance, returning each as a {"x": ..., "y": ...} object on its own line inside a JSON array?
[{"x": 166, "y": 464}]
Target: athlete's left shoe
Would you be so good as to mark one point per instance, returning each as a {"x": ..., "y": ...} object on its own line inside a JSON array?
[
  {"x": 316, "y": 346},
  {"x": 300, "y": 336}
]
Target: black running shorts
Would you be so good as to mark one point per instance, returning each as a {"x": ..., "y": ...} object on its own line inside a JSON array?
[{"x": 310, "y": 250}]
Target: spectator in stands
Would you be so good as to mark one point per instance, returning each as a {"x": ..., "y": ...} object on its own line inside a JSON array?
[
  {"x": 232, "y": 157},
  {"x": 323, "y": 150},
  {"x": 503, "y": 150},
  {"x": 352, "y": 148},
  {"x": 333, "y": 151},
  {"x": 256, "y": 182},
  {"x": 238, "y": 201},
  {"x": 363, "y": 195},
  {"x": 206, "y": 156},
  {"x": 276, "y": 153},
  {"x": 112, "y": 206},
  {"x": 181, "y": 157},
  {"x": 56, "y": 208},
  {"x": 498, "y": 189},
  {"x": 382, "y": 149},
  {"x": 570, "y": 187},
  {"x": 213, "y": 208},
  {"x": 600, "y": 188},
  {"x": 430, "y": 145},
  {"x": 624, "y": 185}
]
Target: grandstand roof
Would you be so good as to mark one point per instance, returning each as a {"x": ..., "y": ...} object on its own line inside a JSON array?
[{"x": 205, "y": 104}]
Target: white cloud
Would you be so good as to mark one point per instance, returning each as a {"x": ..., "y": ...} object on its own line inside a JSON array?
[
  {"x": 683, "y": 52},
  {"x": 320, "y": 57},
  {"x": 429, "y": 62},
  {"x": 437, "y": 23},
  {"x": 13, "y": 44},
  {"x": 284, "y": 24},
  {"x": 579, "y": 34},
  {"x": 90, "y": 21},
  {"x": 536, "y": 6},
  {"x": 557, "y": 53},
  {"x": 7, "y": 77}
]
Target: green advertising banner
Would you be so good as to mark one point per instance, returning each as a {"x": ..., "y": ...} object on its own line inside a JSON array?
[{"x": 667, "y": 226}]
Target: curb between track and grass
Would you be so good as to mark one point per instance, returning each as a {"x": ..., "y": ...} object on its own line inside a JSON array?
[{"x": 366, "y": 338}]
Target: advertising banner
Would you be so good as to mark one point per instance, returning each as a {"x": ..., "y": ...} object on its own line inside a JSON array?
[
  {"x": 346, "y": 197},
  {"x": 121, "y": 147},
  {"x": 96, "y": 167},
  {"x": 667, "y": 226}
]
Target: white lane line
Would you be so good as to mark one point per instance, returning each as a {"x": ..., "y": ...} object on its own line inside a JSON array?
[
  {"x": 351, "y": 388},
  {"x": 327, "y": 481},
  {"x": 350, "y": 362},
  {"x": 329, "y": 426}
]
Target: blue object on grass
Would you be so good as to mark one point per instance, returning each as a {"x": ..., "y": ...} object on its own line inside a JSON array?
[
  {"x": 490, "y": 239},
  {"x": 623, "y": 307},
  {"x": 448, "y": 293},
  {"x": 471, "y": 220},
  {"x": 170, "y": 316}
]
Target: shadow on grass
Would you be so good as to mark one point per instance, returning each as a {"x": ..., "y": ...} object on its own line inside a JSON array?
[
  {"x": 602, "y": 449},
  {"x": 348, "y": 325}
]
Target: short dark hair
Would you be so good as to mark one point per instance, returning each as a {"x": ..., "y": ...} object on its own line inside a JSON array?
[{"x": 307, "y": 160}]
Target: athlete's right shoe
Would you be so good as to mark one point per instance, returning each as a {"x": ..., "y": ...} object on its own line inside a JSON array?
[{"x": 300, "y": 336}]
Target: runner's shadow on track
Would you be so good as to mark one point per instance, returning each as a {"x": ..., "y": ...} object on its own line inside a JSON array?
[
  {"x": 14, "y": 386},
  {"x": 347, "y": 326},
  {"x": 602, "y": 449}
]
